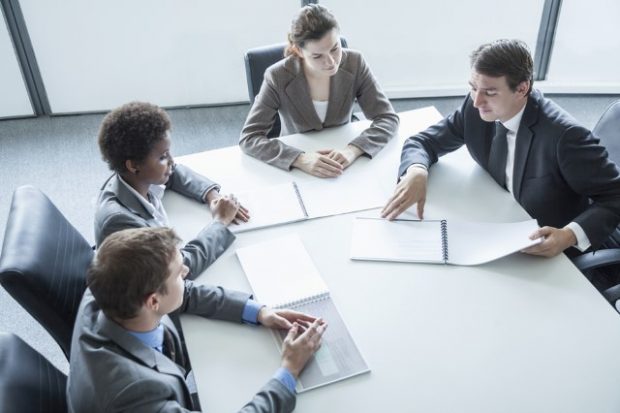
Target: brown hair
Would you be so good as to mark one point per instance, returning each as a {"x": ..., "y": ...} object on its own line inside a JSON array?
[
  {"x": 130, "y": 132},
  {"x": 129, "y": 266},
  {"x": 504, "y": 57},
  {"x": 312, "y": 23}
]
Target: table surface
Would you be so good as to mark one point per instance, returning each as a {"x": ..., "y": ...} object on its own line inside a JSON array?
[{"x": 519, "y": 334}]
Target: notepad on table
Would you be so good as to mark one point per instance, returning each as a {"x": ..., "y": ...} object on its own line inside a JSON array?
[
  {"x": 438, "y": 241},
  {"x": 292, "y": 201},
  {"x": 295, "y": 283}
]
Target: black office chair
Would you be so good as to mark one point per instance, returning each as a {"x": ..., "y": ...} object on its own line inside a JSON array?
[
  {"x": 28, "y": 382},
  {"x": 607, "y": 130},
  {"x": 43, "y": 263},
  {"x": 257, "y": 60}
]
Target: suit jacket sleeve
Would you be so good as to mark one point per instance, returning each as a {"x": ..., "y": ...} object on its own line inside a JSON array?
[
  {"x": 209, "y": 244},
  {"x": 260, "y": 120},
  {"x": 377, "y": 107},
  {"x": 273, "y": 397},
  {"x": 144, "y": 396},
  {"x": 427, "y": 146},
  {"x": 213, "y": 302},
  {"x": 585, "y": 166},
  {"x": 189, "y": 183},
  {"x": 222, "y": 304},
  {"x": 214, "y": 239}
]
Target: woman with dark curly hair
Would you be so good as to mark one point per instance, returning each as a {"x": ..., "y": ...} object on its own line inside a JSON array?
[
  {"x": 134, "y": 140},
  {"x": 315, "y": 87}
]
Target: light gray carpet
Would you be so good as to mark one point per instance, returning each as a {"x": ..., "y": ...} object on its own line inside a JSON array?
[{"x": 60, "y": 156}]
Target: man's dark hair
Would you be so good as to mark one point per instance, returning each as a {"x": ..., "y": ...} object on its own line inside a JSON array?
[
  {"x": 129, "y": 266},
  {"x": 130, "y": 132},
  {"x": 504, "y": 57}
]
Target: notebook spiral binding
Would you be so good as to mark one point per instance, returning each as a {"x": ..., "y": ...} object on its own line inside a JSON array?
[
  {"x": 299, "y": 198},
  {"x": 306, "y": 300},
  {"x": 444, "y": 240}
]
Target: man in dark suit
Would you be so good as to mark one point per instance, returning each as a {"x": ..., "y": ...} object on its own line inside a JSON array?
[
  {"x": 554, "y": 167},
  {"x": 126, "y": 354}
]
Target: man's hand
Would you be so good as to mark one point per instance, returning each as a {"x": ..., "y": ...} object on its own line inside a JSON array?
[
  {"x": 410, "y": 190},
  {"x": 298, "y": 348},
  {"x": 282, "y": 319},
  {"x": 318, "y": 164},
  {"x": 211, "y": 199},
  {"x": 554, "y": 241},
  {"x": 225, "y": 209},
  {"x": 344, "y": 157}
]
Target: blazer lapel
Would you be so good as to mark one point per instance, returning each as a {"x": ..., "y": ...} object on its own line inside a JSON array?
[
  {"x": 299, "y": 95},
  {"x": 127, "y": 198},
  {"x": 523, "y": 143},
  {"x": 340, "y": 86},
  {"x": 147, "y": 356}
]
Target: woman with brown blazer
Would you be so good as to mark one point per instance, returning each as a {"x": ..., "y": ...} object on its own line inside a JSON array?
[{"x": 315, "y": 87}]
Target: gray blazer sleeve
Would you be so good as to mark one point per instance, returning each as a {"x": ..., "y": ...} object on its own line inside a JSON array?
[
  {"x": 273, "y": 397},
  {"x": 145, "y": 396},
  {"x": 260, "y": 120},
  {"x": 222, "y": 304},
  {"x": 376, "y": 107},
  {"x": 189, "y": 183},
  {"x": 213, "y": 302},
  {"x": 209, "y": 244}
]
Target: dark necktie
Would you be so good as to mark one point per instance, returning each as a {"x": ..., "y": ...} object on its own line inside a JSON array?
[
  {"x": 498, "y": 155},
  {"x": 171, "y": 348}
]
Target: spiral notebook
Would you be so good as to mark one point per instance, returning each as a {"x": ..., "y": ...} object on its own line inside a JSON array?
[
  {"x": 438, "y": 241},
  {"x": 292, "y": 201},
  {"x": 282, "y": 275}
]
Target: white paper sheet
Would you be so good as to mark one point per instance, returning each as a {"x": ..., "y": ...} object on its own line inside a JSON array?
[
  {"x": 280, "y": 271},
  {"x": 468, "y": 243},
  {"x": 271, "y": 205}
]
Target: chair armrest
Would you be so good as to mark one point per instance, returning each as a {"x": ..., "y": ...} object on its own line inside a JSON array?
[
  {"x": 612, "y": 295},
  {"x": 598, "y": 259}
]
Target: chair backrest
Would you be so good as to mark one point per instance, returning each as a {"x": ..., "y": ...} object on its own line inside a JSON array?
[
  {"x": 607, "y": 129},
  {"x": 257, "y": 60},
  {"x": 28, "y": 381},
  {"x": 43, "y": 263}
]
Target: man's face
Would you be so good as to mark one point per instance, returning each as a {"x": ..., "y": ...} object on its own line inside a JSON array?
[
  {"x": 173, "y": 299},
  {"x": 494, "y": 99}
]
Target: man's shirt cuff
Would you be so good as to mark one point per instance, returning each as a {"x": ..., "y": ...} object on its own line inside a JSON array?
[
  {"x": 583, "y": 243},
  {"x": 413, "y": 165},
  {"x": 250, "y": 311},
  {"x": 285, "y": 377}
]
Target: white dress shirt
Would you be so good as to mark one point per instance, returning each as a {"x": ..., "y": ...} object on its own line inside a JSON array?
[
  {"x": 153, "y": 205},
  {"x": 321, "y": 108}
]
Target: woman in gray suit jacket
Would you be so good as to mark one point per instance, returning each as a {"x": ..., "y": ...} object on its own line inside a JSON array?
[
  {"x": 315, "y": 87},
  {"x": 134, "y": 140}
]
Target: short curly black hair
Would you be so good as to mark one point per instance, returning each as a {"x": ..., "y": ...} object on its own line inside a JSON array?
[{"x": 130, "y": 132}]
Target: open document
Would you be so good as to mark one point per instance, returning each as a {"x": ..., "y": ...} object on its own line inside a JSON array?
[
  {"x": 282, "y": 275},
  {"x": 295, "y": 201},
  {"x": 438, "y": 241}
]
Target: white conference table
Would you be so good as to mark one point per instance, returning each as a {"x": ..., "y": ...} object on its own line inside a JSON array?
[{"x": 520, "y": 334}]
